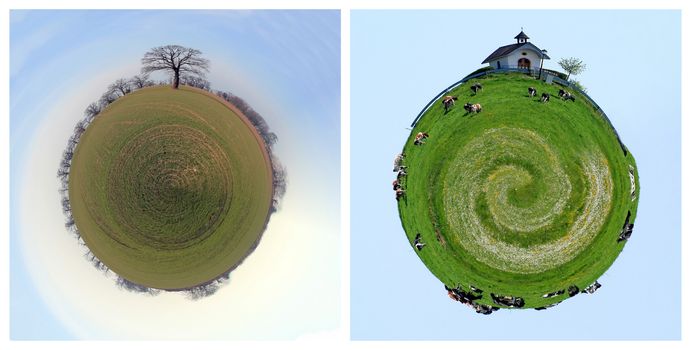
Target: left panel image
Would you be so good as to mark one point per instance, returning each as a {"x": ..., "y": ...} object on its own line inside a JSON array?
[{"x": 172, "y": 174}]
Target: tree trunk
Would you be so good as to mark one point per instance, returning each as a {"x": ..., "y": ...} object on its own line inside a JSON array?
[{"x": 176, "y": 80}]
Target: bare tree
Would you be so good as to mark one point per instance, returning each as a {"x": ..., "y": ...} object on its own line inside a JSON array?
[
  {"x": 107, "y": 98},
  {"x": 72, "y": 141},
  {"x": 65, "y": 163},
  {"x": 68, "y": 154},
  {"x": 195, "y": 81},
  {"x": 80, "y": 127},
  {"x": 202, "y": 291},
  {"x": 254, "y": 117},
  {"x": 279, "y": 182},
  {"x": 121, "y": 86},
  {"x": 270, "y": 138},
  {"x": 133, "y": 287},
  {"x": 63, "y": 172},
  {"x": 176, "y": 60},
  {"x": 140, "y": 81},
  {"x": 69, "y": 224},
  {"x": 66, "y": 208},
  {"x": 92, "y": 110}
]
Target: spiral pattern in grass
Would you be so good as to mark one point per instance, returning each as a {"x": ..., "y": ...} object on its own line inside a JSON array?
[
  {"x": 171, "y": 184},
  {"x": 522, "y": 199},
  {"x": 170, "y": 188},
  {"x": 507, "y": 195}
]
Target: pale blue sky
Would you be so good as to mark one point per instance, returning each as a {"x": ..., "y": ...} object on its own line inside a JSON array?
[
  {"x": 285, "y": 64},
  {"x": 401, "y": 59}
]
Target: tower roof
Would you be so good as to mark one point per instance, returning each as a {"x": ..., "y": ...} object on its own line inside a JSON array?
[
  {"x": 508, "y": 49},
  {"x": 521, "y": 35}
]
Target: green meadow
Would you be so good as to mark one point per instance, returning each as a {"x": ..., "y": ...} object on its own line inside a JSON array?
[{"x": 521, "y": 199}]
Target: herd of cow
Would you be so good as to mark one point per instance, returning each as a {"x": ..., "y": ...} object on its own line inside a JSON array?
[
  {"x": 401, "y": 169},
  {"x": 469, "y": 298},
  {"x": 450, "y": 101}
]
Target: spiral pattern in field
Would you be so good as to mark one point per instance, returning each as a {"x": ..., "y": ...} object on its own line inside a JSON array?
[
  {"x": 500, "y": 164},
  {"x": 169, "y": 186}
]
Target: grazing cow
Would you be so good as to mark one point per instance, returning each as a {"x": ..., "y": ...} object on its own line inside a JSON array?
[
  {"x": 468, "y": 295},
  {"x": 420, "y": 138},
  {"x": 473, "y": 107},
  {"x": 592, "y": 288},
  {"x": 626, "y": 233},
  {"x": 475, "y": 289},
  {"x": 573, "y": 290},
  {"x": 532, "y": 91},
  {"x": 458, "y": 295},
  {"x": 518, "y": 302},
  {"x": 548, "y": 306},
  {"x": 545, "y": 97},
  {"x": 473, "y": 297},
  {"x": 475, "y": 88},
  {"x": 449, "y": 101},
  {"x": 464, "y": 297},
  {"x": 418, "y": 242},
  {"x": 468, "y": 299},
  {"x": 453, "y": 295},
  {"x": 396, "y": 185},
  {"x": 626, "y": 230},
  {"x": 508, "y": 301},
  {"x": 566, "y": 96},
  {"x": 398, "y": 162},
  {"x": 401, "y": 172},
  {"x": 400, "y": 193},
  {"x": 553, "y": 294},
  {"x": 632, "y": 179},
  {"x": 484, "y": 309}
]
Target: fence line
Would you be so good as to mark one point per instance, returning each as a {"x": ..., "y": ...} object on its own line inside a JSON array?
[
  {"x": 472, "y": 76},
  {"x": 597, "y": 109},
  {"x": 532, "y": 72}
]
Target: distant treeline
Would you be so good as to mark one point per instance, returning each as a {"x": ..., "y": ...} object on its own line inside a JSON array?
[{"x": 270, "y": 139}]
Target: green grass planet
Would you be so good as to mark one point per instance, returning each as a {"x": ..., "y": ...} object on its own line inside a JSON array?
[
  {"x": 170, "y": 188},
  {"x": 522, "y": 199}
]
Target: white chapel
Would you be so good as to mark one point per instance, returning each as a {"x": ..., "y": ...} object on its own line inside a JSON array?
[{"x": 522, "y": 54}]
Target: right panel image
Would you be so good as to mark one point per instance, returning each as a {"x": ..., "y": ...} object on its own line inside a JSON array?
[{"x": 515, "y": 175}]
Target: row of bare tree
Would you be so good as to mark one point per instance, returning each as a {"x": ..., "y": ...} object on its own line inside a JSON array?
[
  {"x": 255, "y": 118},
  {"x": 187, "y": 68},
  {"x": 117, "y": 89},
  {"x": 270, "y": 139},
  {"x": 207, "y": 289}
]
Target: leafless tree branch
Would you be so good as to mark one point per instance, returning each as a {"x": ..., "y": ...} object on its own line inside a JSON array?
[{"x": 176, "y": 60}]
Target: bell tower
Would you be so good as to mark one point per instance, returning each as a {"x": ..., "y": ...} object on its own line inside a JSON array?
[{"x": 521, "y": 37}]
